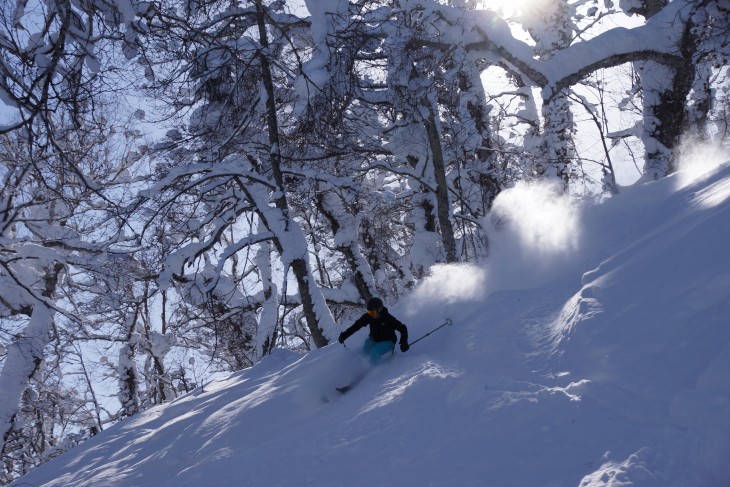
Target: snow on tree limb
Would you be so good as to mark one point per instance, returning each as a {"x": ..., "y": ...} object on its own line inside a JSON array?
[{"x": 657, "y": 40}]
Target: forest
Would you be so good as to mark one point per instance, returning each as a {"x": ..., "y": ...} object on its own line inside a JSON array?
[{"x": 189, "y": 185}]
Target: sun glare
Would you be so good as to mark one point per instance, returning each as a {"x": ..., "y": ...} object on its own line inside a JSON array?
[{"x": 509, "y": 8}]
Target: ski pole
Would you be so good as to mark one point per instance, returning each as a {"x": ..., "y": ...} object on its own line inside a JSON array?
[{"x": 448, "y": 322}]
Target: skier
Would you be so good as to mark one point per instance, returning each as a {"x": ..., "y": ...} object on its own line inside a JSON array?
[{"x": 382, "y": 336}]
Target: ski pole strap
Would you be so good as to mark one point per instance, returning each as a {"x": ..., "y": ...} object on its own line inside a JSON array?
[{"x": 448, "y": 322}]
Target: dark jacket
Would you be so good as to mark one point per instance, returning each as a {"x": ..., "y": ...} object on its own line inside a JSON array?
[{"x": 382, "y": 328}]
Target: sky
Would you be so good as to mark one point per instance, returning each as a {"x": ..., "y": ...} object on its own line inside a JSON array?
[{"x": 592, "y": 349}]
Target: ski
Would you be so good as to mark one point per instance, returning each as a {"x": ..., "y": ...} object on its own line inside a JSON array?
[{"x": 344, "y": 389}]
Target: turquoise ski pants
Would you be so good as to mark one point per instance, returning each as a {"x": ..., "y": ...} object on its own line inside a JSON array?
[{"x": 376, "y": 350}]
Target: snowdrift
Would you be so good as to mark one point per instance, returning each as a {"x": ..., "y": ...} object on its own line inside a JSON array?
[{"x": 594, "y": 353}]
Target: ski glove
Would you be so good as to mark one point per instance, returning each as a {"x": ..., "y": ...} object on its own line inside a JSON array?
[
  {"x": 404, "y": 346},
  {"x": 342, "y": 337}
]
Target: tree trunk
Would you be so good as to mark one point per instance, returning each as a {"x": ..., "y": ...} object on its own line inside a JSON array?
[
  {"x": 557, "y": 141},
  {"x": 299, "y": 265},
  {"x": 129, "y": 394},
  {"x": 553, "y": 33},
  {"x": 664, "y": 115},
  {"x": 665, "y": 91},
  {"x": 347, "y": 243},
  {"x": 443, "y": 207},
  {"x": 25, "y": 355}
]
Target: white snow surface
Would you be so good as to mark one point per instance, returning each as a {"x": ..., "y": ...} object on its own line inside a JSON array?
[{"x": 601, "y": 362}]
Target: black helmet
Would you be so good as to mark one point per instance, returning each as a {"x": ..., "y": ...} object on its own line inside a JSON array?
[{"x": 375, "y": 304}]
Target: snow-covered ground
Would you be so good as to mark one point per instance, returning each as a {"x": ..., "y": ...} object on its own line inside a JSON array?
[{"x": 592, "y": 349}]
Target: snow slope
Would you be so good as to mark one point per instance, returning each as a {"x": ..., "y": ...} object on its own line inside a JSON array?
[{"x": 593, "y": 349}]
